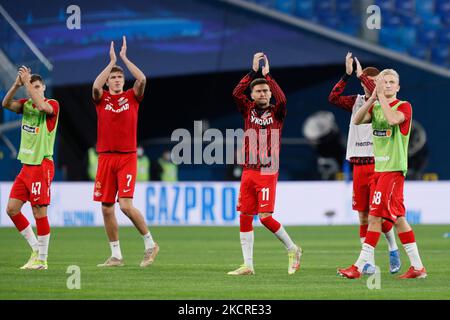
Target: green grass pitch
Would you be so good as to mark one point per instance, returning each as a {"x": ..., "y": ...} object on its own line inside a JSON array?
[{"x": 193, "y": 262}]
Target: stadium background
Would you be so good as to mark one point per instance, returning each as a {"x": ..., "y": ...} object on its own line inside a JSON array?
[{"x": 193, "y": 53}]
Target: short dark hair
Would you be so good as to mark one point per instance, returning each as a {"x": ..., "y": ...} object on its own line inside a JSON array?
[
  {"x": 258, "y": 81},
  {"x": 36, "y": 77},
  {"x": 117, "y": 68},
  {"x": 371, "y": 71}
]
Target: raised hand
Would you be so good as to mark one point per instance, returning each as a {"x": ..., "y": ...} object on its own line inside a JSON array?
[
  {"x": 112, "y": 53},
  {"x": 380, "y": 86},
  {"x": 266, "y": 68},
  {"x": 24, "y": 74},
  {"x": 359, "y": 70},
  {"x": 256, "y": 58},
  {"x": 123, "y": 51},
  {"x": 374, "y": 95},
  {"x": 18, "y": 81},
  {"x": 349, "y": 63}
]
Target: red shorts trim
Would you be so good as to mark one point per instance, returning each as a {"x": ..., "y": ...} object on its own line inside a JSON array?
[
  {"x": 257, "y": 192},
  {"x": 387, "y": 200},
  {"x": 363, "y": 186},
  {"x": 116, "y": 176},
  {"x": 33, "y": 183}
]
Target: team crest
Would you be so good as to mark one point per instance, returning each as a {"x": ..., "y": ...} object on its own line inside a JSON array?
[{"x": 122, "y": 101}]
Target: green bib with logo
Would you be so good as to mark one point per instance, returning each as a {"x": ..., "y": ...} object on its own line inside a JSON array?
[
  {"x": 36, "y": 141},
  {"x": 390, "y": 146}
]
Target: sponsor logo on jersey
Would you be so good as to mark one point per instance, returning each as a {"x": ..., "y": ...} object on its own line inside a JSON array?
[
  {"x": 264, "y": 120},
  {"x": 30, "y": 129},
  {"x": 26, "y": 151},
  {"x": 363, "y": 144},
  {"x": 382, "y": 133},
  {"x": 125, "y": 107},
  {"x": 382, "y": 159}
]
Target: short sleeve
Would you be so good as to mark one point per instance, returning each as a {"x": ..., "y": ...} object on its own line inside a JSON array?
[
  {"x": 99, "y": 102},
  {"x": 406, "y": 109},
  {"x": 55, "y": 106},
  {"x": 133, "y": 94}
]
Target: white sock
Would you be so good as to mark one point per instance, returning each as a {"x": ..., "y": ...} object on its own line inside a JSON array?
[
  {"x": 247, "y": 239},
  {"x": 390, "y": 238},
  {"x": 283, "y": 236},
  {"x": 362, "y": 239},
  {"x": 115, "y": 249},
  {"x": 148, "y": 241},
  {"x": 367, "y": 255},
  {"x": 43, "y": 246},
  {"x": 413, "y": 254},
  {"x": 29, "y": 235}
]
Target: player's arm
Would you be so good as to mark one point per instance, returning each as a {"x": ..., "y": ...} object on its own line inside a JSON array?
[
  {"x": 9, "y": 102},
  {"x": 339, "y": 100},
  {"x": 336, "y": 97},
  {"x": 97, "y": 87},
  {"x": 239, "y": 96},
  {"x": 139, "y": 84},
  {"x": 393, "y": 117},
  {"x": 277, "y": 92},
  {"x": 363, "y": 115},
  {"x": 38, "y": 99}
]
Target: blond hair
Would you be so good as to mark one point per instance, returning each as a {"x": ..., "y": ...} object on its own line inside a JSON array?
[{"x": 391, "y": 72}]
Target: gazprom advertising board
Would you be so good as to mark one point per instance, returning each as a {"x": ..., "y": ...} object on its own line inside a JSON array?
[{"x": 214, "y": 203}]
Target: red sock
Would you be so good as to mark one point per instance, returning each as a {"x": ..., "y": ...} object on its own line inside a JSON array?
[
  {"x": 372, "y": 238},
  {"x": 386, "y": 226},
  {"x": 271, "y": 224},
  {"x": 20, "y": 221},
  {"x": 407, "y": 237},
  {"x": 42, "y": 226},
  {"x": 363, "y": 230},
  {"x": 245, "y": 223}
]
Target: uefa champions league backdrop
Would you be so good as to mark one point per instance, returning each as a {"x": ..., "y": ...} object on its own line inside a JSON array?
[{"x": 214, "y": 203}]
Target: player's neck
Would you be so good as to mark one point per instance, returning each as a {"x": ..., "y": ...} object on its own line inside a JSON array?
[
  {"x": 111, "y": 92},
  {"x": 43, "y": 97},
  {"x": 391, "y": 99},
  {"x": 263, "y": 107}
]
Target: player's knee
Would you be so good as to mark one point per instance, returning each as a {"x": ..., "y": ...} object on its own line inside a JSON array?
[
  {"x": 374, "y": 220},
  {"x": 126, "y": 208},
  {"x": 107, "y": 210},
  {"x": 265, "y": 215},
  {"x": 363, "y": 217},
  {"x": 402, "y": 223},
  {"x": 11, "y": 211},
  {"x": 38, "y": 212}
]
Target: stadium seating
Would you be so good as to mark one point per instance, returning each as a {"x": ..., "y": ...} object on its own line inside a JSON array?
[{"x": 420, "y": 29}]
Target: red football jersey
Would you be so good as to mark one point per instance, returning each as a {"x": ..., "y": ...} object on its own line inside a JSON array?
[
  {"x": 264, "y": 122},
  {"x": 117, "y": 117}
]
